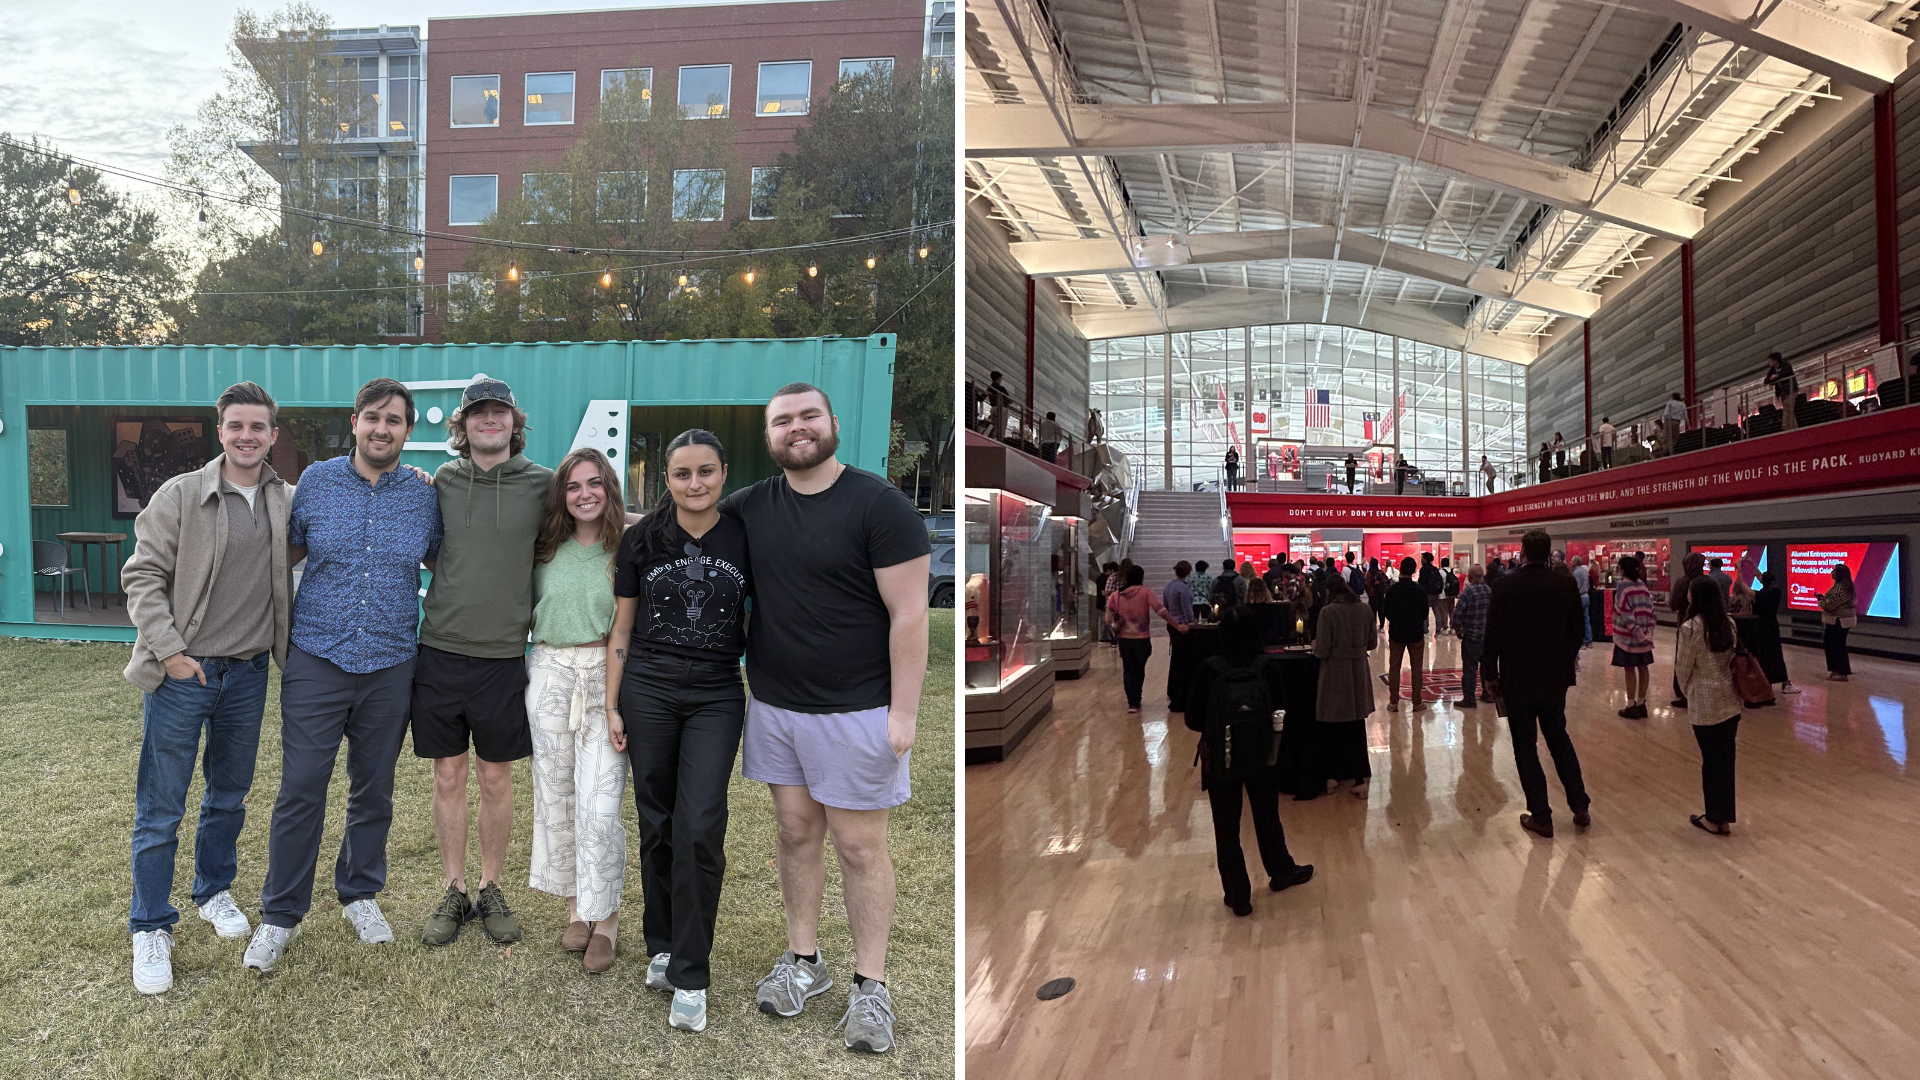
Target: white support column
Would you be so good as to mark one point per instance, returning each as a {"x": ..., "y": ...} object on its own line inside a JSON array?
[
  {"x": 1466, "y": 450},
  {"x": 1247, "y": 463},
  {"x": 1393, "y": 403},
  {"x": 1166, "y": 410}
]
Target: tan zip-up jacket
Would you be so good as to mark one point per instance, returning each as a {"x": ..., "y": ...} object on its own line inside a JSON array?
[{"x": 180, "y": 539}]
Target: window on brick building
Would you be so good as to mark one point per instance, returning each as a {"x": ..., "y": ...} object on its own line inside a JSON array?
[
  {"x": 617, "y": 83},
  {"x": 766, "y": 185},
  {"x": 546, "y": 197},
  {"x": 474, "y": 101},
  {"x": 620, "y": 196},
  {"x": 699, "y": 194},
  {"x": 706, "y": 92},
  {"x": 550, "y": 98},
  {"x": 784, "y": 88},
  {"x": 853, "y": 69},
  {"x": 471, "y": 199}
]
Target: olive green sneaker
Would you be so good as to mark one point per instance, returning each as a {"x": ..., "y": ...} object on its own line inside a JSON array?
[
  {"x": 443, "y": 926},
  {"x": 496, "y": 921}
]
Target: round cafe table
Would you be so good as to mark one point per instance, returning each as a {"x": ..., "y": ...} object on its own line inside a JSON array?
[{"x": 89, "y": 539}]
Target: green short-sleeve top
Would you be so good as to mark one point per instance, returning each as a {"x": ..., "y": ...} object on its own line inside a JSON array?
[{"x": 573, "y": 595}]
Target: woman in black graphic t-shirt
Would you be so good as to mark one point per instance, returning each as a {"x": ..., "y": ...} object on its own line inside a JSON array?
[{"x": 676, "y": 704}]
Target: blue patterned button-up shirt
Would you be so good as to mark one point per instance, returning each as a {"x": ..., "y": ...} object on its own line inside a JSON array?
[
  {"x": 359, "y": 599},
  {"x": 1470, "y": 613}
]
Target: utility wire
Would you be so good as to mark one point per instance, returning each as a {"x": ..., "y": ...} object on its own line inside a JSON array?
[
  {"x": 461, "y": 238},
  {"x": 910, "y": 299}
]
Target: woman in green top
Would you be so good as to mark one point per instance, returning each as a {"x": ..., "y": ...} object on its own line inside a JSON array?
[{"x": 579, "y": 775}]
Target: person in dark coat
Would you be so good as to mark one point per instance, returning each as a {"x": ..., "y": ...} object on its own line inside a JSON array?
[
  {"x": 1345, "y": 699},
  {"x": 1762, "y": 633},
  {"x": 1240, "y": 646},
  {"x": 1528, "y": 661},
  {"x": 1406, "y": 609}
]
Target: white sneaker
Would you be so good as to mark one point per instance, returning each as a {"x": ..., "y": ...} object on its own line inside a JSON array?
[
  {"x": 689, "y": 1011},
  {"x": 153, "y": 961},
  {"x": 225, "y": 915},
  {"x": 269, "y": 944},
  {"x": 657, "y": 972},
  {"x": 366, "y": 917}
]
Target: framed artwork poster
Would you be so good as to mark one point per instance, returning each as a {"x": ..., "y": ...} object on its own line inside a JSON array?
[{"x": 150, "y": 450}]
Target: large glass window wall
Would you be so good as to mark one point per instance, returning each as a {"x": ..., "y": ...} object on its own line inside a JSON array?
[{"x": 1316, "y": 392}]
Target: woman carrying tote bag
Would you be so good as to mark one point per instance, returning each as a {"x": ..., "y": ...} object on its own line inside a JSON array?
[
  {"x": 1838, "y": 614},
  {"x": 1703, "y": 663}
]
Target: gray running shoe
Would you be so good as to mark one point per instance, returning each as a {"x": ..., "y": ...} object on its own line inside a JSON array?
[
  {"x": 869, "y": 1019},
  {"x": 785, "y": 991},
  {"x": 657, "y": 972},
  {"x": 269, "y": 944},
  {"x": 499, "y": 924},
  {"x": 443, "y": 926},
  {"x": 689, "y": 1012}
]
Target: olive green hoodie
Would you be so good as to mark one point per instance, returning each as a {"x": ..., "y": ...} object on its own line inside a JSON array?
[{"x": 480, "y": 602}]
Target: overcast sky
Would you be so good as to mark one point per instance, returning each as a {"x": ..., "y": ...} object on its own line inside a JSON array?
[{"x": 105, "y": 79}]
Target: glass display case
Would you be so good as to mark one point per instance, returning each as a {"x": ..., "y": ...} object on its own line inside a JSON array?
[
  {"x": 1072, "y": 594},
  {"x": 1011, "y": 588}
]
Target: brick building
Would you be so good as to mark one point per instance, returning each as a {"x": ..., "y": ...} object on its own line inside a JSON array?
[{"x": 508, "y": 94}]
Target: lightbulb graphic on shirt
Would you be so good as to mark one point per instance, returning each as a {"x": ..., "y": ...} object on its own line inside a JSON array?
[{"x": 695, "y": 594}]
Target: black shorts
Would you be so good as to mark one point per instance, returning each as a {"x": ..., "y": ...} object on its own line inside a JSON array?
[{"x": 454, "y": 695}]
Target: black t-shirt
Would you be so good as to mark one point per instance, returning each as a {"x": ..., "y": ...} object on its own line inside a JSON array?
[
  {"x": 819, "y": 641},
  {"x": 688, "y": 608}
]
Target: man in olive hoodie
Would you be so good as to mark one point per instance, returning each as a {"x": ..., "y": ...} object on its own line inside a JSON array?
[{"x": 471, "y": 678}]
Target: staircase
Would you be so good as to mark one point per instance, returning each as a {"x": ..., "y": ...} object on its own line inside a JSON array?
[{"x": 1176, "y": 525}]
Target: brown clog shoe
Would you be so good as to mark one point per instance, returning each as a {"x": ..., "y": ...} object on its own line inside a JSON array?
[
  {"x": 576, "y": 935},
  {"x": 599, "y": 956}
]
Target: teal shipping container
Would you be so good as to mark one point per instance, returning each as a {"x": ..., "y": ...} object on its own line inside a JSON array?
[{"x": 85, "y": 431}]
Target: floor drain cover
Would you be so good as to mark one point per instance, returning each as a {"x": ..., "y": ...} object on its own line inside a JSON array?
[{"x": 1055, "y": 988}]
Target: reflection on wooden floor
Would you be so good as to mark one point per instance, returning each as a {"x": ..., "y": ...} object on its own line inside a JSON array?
[{"x": 1439, "y": 940}]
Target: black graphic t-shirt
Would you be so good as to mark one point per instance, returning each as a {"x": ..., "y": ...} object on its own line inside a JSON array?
[{"x": 688, "y": 606}]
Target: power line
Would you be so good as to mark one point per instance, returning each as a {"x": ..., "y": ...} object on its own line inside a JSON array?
[
  {"x": 910, "y": 299},
  {"x": 461, "y": 238}
]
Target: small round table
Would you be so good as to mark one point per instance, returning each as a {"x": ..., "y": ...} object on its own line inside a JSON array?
[{"x": 86, "y": 539}]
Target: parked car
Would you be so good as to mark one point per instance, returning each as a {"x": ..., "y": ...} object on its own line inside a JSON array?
[{"x": 940, "y": 574}]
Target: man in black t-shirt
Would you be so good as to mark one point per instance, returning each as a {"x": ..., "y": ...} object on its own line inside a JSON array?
[{"x": 836, "y": 653}]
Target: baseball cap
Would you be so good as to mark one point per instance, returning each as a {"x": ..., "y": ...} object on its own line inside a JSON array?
[{"x": 484, "y": 388}]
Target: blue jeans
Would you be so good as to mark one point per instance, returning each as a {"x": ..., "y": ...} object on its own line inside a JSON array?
[
  {"x": 1586, "y": 618},
  {"x": 229, "y": 709},
  {"x": 1469, "y": 669}
]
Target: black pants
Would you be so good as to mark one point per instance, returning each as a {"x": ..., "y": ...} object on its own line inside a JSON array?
[
  {"x": 320, "y": 704},
  {"x": 1527, "y": 719},
  {"x": 683, "y": 720},
  {"x": 1835, "y": 639},
  {"x": 1263, "y": 792},
  {"x": 1133, "y": 666},
  {"x": 1233, "y": 478},
  {"x": 1716, "y": 767}
]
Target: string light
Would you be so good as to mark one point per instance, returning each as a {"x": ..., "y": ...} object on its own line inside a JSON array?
[
  {"x": 513, "y": 270},
  {"x": 73, "y": 195},
  {"x": 870, "y": 260},
  {"x": 318, "y": 247},
  {"x": 683, "y": 279},
  {"x": 924, "y": 248},
  {"x": 749, "y": 275},
  {"x": 606, "y": 278},
  {"x": 419, "y": 262},
  {"x": 813, "y": 268}
]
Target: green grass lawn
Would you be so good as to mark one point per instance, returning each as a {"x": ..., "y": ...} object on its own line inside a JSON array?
[{"x": 69, "y": 748}]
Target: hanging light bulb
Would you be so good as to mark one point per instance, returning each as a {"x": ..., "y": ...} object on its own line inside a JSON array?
[
  {"x": 203, "y": 217},
  {"x": 73, "y": 195},
  {"x": 870, "y": 260},
  {"x": 683, "y": 279},
  {"x": 419, "y": 262},
  {"x": 606, "y": 278},
  {"x": 749, "y": 275},
  {"x": 513, "y": 270},
  {"x": 319, "y": 248},
  {"x": 924, "y": 248},
  {"x": 813, "y": 268}
]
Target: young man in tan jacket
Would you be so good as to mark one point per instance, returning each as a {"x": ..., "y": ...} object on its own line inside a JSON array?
[{"x": 208, "y": 590}]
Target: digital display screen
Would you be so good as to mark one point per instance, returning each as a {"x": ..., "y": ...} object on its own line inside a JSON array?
[
  {"x": 1876, "y": 576},
  {"x": 1744, "y": 562}
]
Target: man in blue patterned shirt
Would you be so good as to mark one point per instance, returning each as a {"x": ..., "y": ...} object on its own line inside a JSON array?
[
  {"x": 364, "y": 525},
  {"x": 1470, "y": 621}
]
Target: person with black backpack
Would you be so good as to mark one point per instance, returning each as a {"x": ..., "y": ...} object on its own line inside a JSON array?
[
  {"x": 1449, "y": 592},
  {"x": 1232, "y": 707},
  {"x": 1229, "y": 589}
]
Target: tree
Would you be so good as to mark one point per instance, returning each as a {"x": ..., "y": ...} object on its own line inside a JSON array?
[
  {"x": 92, "y": 272},
  {"x": 303, "y": 259}
]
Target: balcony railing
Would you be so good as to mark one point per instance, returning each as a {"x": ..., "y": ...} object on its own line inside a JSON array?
[{"x": 1007, "y": 421}]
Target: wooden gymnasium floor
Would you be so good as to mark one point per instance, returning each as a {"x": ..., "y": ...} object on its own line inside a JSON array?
[{"x": 1437, "y": 939}]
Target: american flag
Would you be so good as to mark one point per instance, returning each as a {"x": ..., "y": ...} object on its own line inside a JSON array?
[{"x": 1319, "y": 409}]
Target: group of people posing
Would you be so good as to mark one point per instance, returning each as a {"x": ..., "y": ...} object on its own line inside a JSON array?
[
  {"x": 556, "y": 626},
  {"x": 1520, "y": 631}
]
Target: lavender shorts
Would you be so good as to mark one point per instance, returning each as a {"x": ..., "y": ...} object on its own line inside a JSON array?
[{"x": 842, "y": 759}]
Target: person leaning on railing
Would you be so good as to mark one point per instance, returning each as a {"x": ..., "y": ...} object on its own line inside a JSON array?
[{"x": 1785, "y": 387}]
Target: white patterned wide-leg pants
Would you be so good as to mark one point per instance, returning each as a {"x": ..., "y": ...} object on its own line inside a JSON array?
[{"x": 579, "y": 842}]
